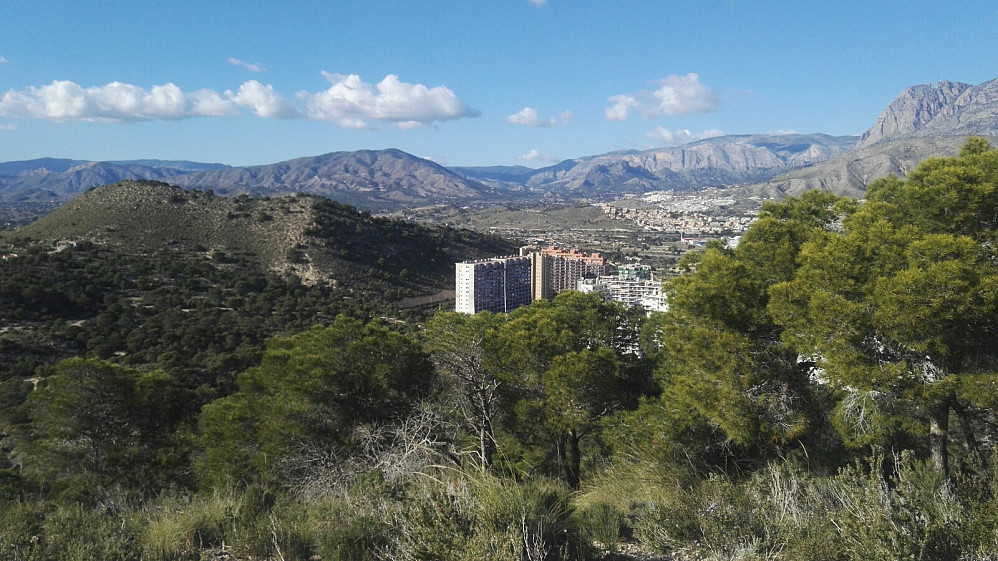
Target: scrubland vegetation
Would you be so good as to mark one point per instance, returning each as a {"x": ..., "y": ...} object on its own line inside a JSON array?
[{"x": 824, "y": 391}]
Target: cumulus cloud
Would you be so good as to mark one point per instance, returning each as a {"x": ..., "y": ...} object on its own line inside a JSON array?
[
  {"x": 351, "y": 102},
  {"x": 666, "y": 137},
  {"x": 675, "y": 95},
  {"x": 263, "y": 101},
  {"x": 66, "y": 101},
  {"x": 248, "y": 66},
  {"x": 531, "y": 118},
  {"x": 536, "y": 156}
]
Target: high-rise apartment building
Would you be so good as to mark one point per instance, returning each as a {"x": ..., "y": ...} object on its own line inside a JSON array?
[
  {"x": 556, "y": 269},
  {"x": 498, "y": 285}
]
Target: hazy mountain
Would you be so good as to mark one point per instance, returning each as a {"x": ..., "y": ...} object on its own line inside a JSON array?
[
  {"x": 372, "y": 179},
  {"x": 499, "y": 173},
  {"x": 180, "y": 165},
  {"x": 716, "y": 161},
  {"x": 38, "y": 166},
  {"x": 50, "y": 179},
  {"x": 922, "y": 122},
  {"x": 369, "y": 179},
  {"x": 851, "y": 173}
]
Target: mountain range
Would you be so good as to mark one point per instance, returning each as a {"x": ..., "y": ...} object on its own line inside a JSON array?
[{"x": 923, "y": 121}]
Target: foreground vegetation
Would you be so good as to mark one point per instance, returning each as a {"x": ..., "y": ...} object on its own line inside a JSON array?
[{"x": 826, "y": 390}]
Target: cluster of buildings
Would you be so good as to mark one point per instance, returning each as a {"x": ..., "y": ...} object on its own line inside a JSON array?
[
  {"x": 502, "y": 284},
  {"x": 690, "y": 214}
]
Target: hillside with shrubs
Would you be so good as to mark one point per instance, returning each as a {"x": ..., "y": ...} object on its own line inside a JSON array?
[{"x": 825, "y": 390}]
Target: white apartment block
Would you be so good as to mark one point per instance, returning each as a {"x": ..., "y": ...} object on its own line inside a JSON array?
[
  {"x": 631, "y": 291},
  {"x": 497, "y": 285}
]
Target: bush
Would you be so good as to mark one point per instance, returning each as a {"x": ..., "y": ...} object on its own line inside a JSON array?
[
  {"x": 78, "y": 533},
  {"x": 21, "y": 531},
  {"x": 529, "y": 521},
  {"x": 357, "y": 539},
  {"x": 914, "y": 515},
  {"x": 179, "y": 529},
  {"x": 603, "y": 524}
]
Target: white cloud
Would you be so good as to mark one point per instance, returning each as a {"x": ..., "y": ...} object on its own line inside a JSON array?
[
  {"x": 8, "y": 127},
  {"x": 621, "y": 108},
  {"x": 3, "y": 60},
  {"x": 263, "y": 101},
  {"x": 666, "y": 137},
  {"x": 531, "y": 118},
  {"x": 536, "y": 156},
  {"x": 676, "y": 95},
  {"x": 407, "y": 125},
  {"x": 246, "y": 65},
  {"x": 538, "y": 2},
  {"x": 351, "y": 102},
  {"x": 116, "y": 101}
]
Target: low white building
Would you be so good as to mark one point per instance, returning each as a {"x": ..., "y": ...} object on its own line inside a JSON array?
[{"x": 630, "y": 291}]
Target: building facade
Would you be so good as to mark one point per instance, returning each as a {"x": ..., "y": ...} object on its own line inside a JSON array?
[
  {"x": 555, "y": 269},
  {"x": 497, "y": 285},
  {"x": 628, "y": 290}
]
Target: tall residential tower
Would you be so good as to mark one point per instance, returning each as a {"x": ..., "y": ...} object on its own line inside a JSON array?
[{"x": 498, "y": 285}]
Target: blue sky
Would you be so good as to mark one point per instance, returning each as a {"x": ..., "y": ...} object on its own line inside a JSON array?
[{"x": 486, "y": 82}]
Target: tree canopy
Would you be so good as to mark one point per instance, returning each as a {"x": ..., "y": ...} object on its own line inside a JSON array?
[{"x": 899, "y": 305}]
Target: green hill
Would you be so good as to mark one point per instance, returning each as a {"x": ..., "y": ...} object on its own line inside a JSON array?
[{"x": 315, "y": 239}]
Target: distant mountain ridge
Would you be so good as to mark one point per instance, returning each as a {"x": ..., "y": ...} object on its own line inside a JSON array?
[
  {"x": 365, "y": 178},
  {"x": 712, "y": 162},
  {"x": 369, "y": 179},
  {"x": 923, "y": 121},
  {"x": 943, "y": 109}
]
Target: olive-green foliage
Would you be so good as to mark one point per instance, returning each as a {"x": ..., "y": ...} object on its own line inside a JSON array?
[
  {"x": 45, "y": 532},
  {"x": 529, "y": 521},
  {"x": 725, "y": 372},
  {"x": 249, "y": 524},
  {"x": 902, "y": 300},
  {"x": 358, "y": 539},
  {"x": 913, "y": 515},
  {"x": 96, "y": 426},
  {"x": 74, "y": 532},
  {"x": 309, "y": 392},
  {"x": 865, "y": 511},
  {"x": 22, "y": 531},
  {"x": 563, "y": 365}
]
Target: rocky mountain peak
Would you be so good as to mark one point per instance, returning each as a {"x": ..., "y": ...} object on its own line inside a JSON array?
[{"x": 913, "y": 110}]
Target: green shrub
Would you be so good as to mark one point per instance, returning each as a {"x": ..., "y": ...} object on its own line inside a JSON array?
[
  {"x": 603, "y": 524},
  {"x": 529, "y": 521},
  {"x": 914, "y": 515},
  {"x": 179, "y": 528},
  {"x": 78, "y": 533},
  {"x": 436, "y": 521},
  {"x": 357, "y": 539},
  {"x": 21, "y": 531}
]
